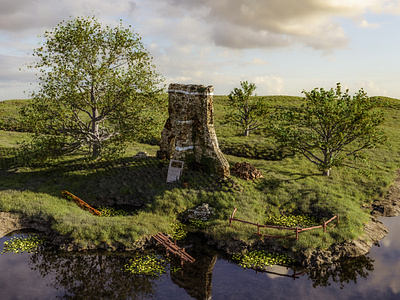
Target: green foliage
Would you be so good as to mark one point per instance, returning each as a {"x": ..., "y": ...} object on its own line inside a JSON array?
[
  {"x": 292, "y": 221},
  {"x": 291, "y": 186},
  {"x": 178, "y": 231},
  {"x": 260, "y": 260},
  {"x": 201, "y": 224},
  {"x": 28, "y": 244},
  {"x": 244, "y": 109},
  {"x": 111, "y": 212},
  {"x": 98, "y": 89},
  {"x": 149, "y": 265},
  {"x": 332, "y": 128},
  {"x": 9, "y": 117}
]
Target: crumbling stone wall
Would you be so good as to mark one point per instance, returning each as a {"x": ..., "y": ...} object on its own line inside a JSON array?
[{"x": 189, "y": 133}]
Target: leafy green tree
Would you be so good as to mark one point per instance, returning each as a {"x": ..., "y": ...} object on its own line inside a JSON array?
[
  {"x": 244, "y": 109},
  {"x": 332, "y": 127},
  {"x": 98, "y": 89}
]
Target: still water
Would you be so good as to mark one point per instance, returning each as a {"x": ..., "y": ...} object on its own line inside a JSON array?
[{"x": 50, "y": 275}]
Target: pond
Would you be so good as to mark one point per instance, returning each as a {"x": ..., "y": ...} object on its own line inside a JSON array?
[{"x": 52, "y": 275}]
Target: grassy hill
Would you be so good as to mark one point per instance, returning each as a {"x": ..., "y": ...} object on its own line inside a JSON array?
[{"x": 291, "y": 186}]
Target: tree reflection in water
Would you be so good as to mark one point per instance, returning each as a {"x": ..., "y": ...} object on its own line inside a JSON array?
[
  {"x": 342, "y": 272},
  {"x": 84, "y": 276}
]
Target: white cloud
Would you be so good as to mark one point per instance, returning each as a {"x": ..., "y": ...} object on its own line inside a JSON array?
[
  {"x": 205, "y": 41},
  {"x": 271, "y": 85},
  {"x": 245, "y": 24},
  {"x": 373, "y": 89},
  {"x": 365, "y": 24},
  {"x": 258, "y": 61}
]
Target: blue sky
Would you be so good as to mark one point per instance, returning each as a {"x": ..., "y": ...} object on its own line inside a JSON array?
[{"x": 284, "y": 46}]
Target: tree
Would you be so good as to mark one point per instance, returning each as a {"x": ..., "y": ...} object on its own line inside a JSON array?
[
  {"x": 245, "y": 110},
  {"x": 98, "y": 89},
  {"x": 331, "y": 127}
]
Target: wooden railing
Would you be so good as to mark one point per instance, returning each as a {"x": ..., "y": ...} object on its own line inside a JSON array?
[
  {"x": 172, "y": 247},
  {"x": 297, "y": 230},
  {"x": 82, "y": 204}
]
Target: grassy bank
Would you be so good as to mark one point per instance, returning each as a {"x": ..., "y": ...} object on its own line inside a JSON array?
[{"x": 291, "y": 185}]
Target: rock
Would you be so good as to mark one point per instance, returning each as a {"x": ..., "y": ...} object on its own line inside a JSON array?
[
  {"x": 141, "y": 154},
  {"x": 202, "y": 212},
  {"x": 246, "y": 171},
  {"x": 374, "y": 231},
  {"x": 189, "y": 133}
]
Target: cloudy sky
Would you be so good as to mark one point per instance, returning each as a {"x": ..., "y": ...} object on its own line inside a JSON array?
[{"x": 284, "y": 46}]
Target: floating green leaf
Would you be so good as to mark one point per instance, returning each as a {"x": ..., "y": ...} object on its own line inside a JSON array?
[
  {"x": 149, "y": 265},
  {"x": 261, "y": 259},
  {"x": 20, "y": 244}
]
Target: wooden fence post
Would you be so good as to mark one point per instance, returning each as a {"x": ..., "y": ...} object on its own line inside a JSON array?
[
  {"x": 337, "y": 220},
  {"x": 258, "y": 230},
  {"x": 324, "y": 226}
]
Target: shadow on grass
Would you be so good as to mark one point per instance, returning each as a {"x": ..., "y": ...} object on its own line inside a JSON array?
[
  {"x": 124, "y": 181},
  {"x": 274, "y": 183},
  {"x": 254, "y": 152}
]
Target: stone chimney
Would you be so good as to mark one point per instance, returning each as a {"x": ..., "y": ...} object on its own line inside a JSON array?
[{"x": 189, "y": 133}]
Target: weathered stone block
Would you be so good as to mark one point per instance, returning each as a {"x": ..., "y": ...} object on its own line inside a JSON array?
[{"x": 189, "y": 133}]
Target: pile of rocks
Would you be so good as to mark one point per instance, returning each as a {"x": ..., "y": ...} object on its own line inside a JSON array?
[
  {"x": 141, "y": 154},
  {"x": 202, "y": 212},
  {"x": 246, "y": 171}
]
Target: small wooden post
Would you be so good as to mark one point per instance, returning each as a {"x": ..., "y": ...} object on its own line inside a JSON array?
[
  {"x": 297, "y": 233},
  {"x": 337, "y": 220},
  {"x": 258, "y": 230},
  {"x": 183, "y": 251},
  {"x": 324, "y": 226}
]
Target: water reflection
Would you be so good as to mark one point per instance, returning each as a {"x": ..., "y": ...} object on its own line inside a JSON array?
[
  {"x": 342, "y": 272},
  {"x": 196, "y": 278},
  {"x": 83, "y": 276},
  {"x": 51, "y": 275}
]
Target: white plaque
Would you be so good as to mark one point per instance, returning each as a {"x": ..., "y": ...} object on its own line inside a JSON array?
[{"x": 174, "y": 170}]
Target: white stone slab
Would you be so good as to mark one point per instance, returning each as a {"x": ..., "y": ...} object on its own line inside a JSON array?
[{"x": 174, "y": 170}]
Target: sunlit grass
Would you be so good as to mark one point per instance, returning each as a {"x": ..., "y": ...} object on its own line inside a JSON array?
[{"x": 291, "y": 186}]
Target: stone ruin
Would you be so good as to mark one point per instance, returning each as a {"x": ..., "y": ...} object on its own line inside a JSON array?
[{"x": 189, "y": 133}]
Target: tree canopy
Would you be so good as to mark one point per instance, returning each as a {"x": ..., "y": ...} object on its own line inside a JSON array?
[
  {"x": 245, "y": 109},
  {"x": 332, "y": 127},
  {"x": 98, "y": 89}
]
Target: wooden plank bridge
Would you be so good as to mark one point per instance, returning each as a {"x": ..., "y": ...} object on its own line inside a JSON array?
[{"x": 173, "y": 248}]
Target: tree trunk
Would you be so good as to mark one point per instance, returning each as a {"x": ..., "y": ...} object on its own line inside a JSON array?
[
  {"x": 96, "y": 149},
  {"x": 95, "y": 141},
  {"x": 247, "y": 131},
  {"x": 327, "y": 172}
]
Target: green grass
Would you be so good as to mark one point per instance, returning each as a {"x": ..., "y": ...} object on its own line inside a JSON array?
[
  {"x": 9, "y": 114},
  {"x": 291, "y": 186}
]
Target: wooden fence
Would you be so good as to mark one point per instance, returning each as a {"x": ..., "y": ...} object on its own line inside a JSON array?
[
  {"x": 82, "y": 204},
  {"x": 172, "y": 247},
  {"x": 296, "y": 229}
]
